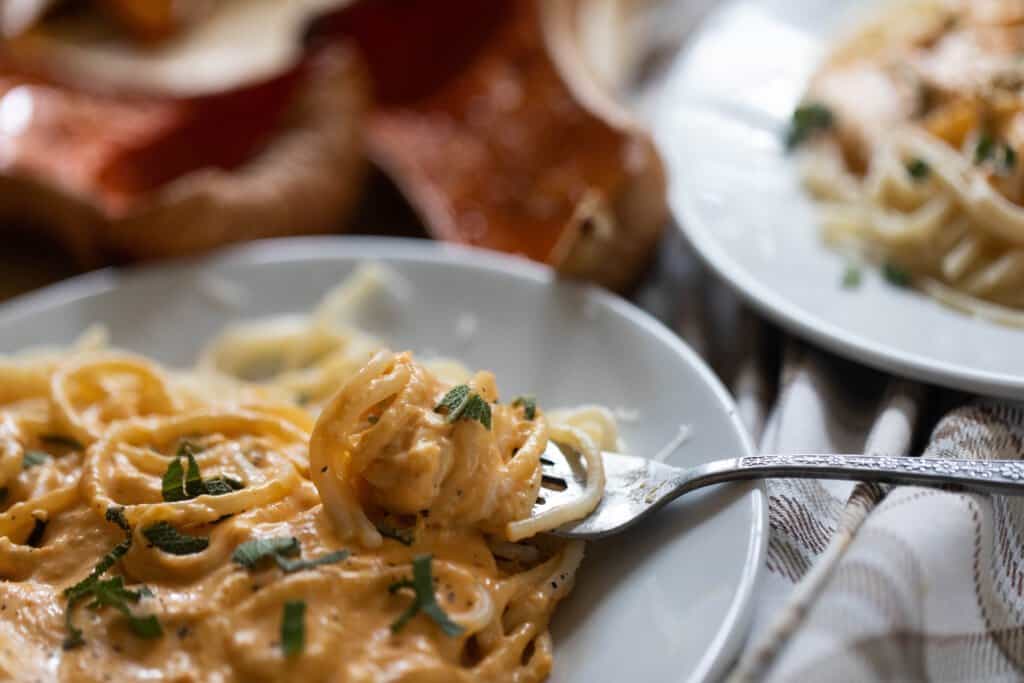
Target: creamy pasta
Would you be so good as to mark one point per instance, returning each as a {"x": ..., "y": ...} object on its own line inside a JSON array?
[{"x": 304, "y": 505}]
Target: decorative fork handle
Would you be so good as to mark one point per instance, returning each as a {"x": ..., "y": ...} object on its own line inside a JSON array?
[{"x": 986, "y": 476}]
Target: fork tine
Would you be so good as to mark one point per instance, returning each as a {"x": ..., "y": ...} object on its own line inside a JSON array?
[
  {"x": 554, "y": 464},
  {"x": 560, "y": 481},
  {"x": 632, "y": 485}
]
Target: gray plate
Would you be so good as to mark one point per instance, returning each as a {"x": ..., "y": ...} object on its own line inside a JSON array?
[
  {"x": 670, "y": 602},
  {"x": 719, "y": 115}
]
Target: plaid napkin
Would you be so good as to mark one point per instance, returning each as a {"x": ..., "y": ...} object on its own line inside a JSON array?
[{"x": 862, "y": 582}]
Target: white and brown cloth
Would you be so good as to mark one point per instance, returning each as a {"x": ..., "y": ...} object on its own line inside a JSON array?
[{"x": 862, "y": 582}]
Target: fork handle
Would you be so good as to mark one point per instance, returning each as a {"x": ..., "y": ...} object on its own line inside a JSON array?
[{"x": 985, "y": 476}]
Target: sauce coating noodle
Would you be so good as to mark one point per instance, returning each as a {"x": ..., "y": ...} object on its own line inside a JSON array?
[{"x": 339, "y": 445}]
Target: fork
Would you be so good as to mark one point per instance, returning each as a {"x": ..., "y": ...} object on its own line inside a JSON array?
[{"x": 635, "y": 488}]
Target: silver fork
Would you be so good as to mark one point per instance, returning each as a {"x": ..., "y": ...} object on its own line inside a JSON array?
[{"x": 636, "y": 487}]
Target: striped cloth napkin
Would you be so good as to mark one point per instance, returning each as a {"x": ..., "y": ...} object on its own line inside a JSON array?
[{"x": 862, "y": 582}]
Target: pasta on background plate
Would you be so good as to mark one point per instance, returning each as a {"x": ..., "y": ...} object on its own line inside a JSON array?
[
  {"x": 303, "y": 505},
  {"x": 913, "y": 129}
]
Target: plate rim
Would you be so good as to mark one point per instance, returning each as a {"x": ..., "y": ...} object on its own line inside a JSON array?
[
  {"x": 800, "y": 321},
  {"x": 728, "y": 640}
]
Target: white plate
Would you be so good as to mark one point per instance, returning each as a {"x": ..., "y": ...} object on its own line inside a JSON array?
[
  {"x": 719, "y": 116},
  {"x": 669, "y": 603}
]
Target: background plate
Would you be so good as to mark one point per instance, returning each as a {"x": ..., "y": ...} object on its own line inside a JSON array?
[
  {"x": 719, "y": 114},
  {"x": 670, "y": 602}
]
